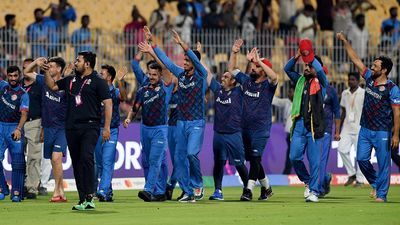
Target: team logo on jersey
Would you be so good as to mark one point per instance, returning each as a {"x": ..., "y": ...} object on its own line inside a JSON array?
[
  {"x": 381, "y": 88},
  {"x": 14, "y": 97},
  {"x": 89, "y": 81},
  {"x": 157, "y": 88},
  {"x": 146, "y": 94},
  {"x": 73, "y": 80}
]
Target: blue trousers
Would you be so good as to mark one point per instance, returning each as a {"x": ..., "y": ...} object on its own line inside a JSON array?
[
  {"x": 189, "y": 142},
  {"x": 154, "y": 146},
  {"x": 17, "y": 159},
  {"x": 172, "y": 146},
  {"x": 301, "y": 140},
  {"x": 105, "y": 160},
  {"x": 323, "y": 180},
  {"x": 380, "y": 141}
]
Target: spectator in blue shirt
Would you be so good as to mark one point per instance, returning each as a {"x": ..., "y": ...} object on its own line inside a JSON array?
[
  {"x": 37, "y": 35},
  {"x": 392, "y": 22},
  {"x": 81, "y": 38}
]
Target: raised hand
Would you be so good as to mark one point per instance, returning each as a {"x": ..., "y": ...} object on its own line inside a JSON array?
[
  {"x": 41, "y": 61},
  {"x": 69, "y": 69},
  {"x": 176, "y": 37},
  {"x": 251, "y": 55},
  {"x": 256, "y": 55},
  {"x": 341, "y": 36},
  {"x": 147, "y": 34},
  {"x": 236, "y": 45},
  {"x": 145, "y": 47},
  {"x": 121, "y": 73},
  {"x": 199, "y": 47}
]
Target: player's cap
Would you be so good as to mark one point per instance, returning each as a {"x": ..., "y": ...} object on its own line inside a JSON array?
[
  {"x": 266, "y": 62},
  {"x": 306, "y": 50}
]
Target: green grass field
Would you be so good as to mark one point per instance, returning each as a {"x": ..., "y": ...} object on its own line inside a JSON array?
[{"x": 342, "y": 206}]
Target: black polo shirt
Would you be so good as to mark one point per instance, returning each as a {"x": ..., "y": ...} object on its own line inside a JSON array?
[
  {"x": 35, "y": 99},
  {"x": 92, "y": 90}
]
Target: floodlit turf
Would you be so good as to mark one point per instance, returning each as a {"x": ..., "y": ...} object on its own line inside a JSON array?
[{"x": 342, "y": 206}]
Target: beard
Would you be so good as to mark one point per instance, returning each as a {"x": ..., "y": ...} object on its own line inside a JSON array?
[
  {"x": 13, "y": 84},
  {"x": 254, "y": 76},
  {"x": 77, "y": 72}
]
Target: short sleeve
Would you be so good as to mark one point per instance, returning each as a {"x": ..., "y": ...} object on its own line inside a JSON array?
[
  {"x": 24, "y": 103},
  {"x": 3, "y": 84},
  {"x": 395, "y": 96},
  {"x": 102, "y": 90},
  {"x": 215, "y": 86},
  {"x": 40, "y": 79},
  {"x": 241, "y": 77},
  {"x": 367, "y": 73},
  {"x": 343, "y": 99},
  {"x": 63, "y": 83}
]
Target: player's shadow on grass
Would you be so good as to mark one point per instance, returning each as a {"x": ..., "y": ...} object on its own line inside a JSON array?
[{"x": 94, "y": 212}]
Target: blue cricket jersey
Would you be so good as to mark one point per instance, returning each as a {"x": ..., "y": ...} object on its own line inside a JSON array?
[
  {"x": 228, "y": 108},
  {"x": 154, "y": 101},
  {"x": 54, "y": 108},
  {"x": 377, "y": 113},
  {"x": 257, "y": 100},
  {"x": 115, "y": 117},
  {"x": 173, "y": 110},
  {"x": 331, "y": 108},
  {"x": 13, "y": 101},
  {"x": 191, "y": 89}
]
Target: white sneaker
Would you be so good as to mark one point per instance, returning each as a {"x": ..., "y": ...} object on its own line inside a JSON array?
[
  {"x": 307, "y": 192},
  {"x": 312, "y": 198}
]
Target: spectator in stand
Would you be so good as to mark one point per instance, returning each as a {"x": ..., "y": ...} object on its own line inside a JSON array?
[
  {"x": 361, "y": 7},
  {"x": 341, "y": 20},
  {"x": 305, "y": 23},
  {"x": 133, "y": 32},
  {"x": 159, "y": 19},
  {"x": 393, "y": 23},
  {"x": 287, "y": 10},
  {"x": 358, "y": 36},
  {"x": 183, "y": 23},
  {"x": 81, "y": 38},
  {"x": 37, "y": 35},
  {"x": 228, "y": 15},
  {"x": 324, "y": 14},
  {"x": 267, "y": 21},
  {"x": 213, "y": 19},
  {"x": 197, "y": 9},
  {"x": 9, "y": 42},
  {"x": 61, "y": 15},
  {"x": 251, "y": 15}
]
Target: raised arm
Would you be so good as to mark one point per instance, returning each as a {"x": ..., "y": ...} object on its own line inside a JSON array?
[
  {"x": 120, "y": 76},
  {"x": 49, "y": 81},
  {"x": 271, "y": 75},
  {"x": 209, "y": 73},
  {"x": 160, "y": 55},
  {"x": 196, "y": 62},
  {"x": 351, "y": 53},
  {"x": 289, "y": 68},
  {"x": 320, "y": 73},
  {"x": 30, "y": 72},
  {"x": 232, "y": 65},
  {"x": 139, "y": 74}
]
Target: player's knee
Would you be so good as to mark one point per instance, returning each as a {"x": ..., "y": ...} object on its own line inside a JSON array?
[{"x": 18, "y": 162}]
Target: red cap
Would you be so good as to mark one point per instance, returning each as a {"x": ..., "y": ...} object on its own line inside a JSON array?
[
  {"x": 266, "y": 62},
  {"x": 306, "y": 50},
  {"x": 325, "y": 70}
]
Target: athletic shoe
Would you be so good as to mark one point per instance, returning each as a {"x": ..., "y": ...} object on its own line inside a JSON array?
[
  {"x": 181, "y": 196},
  {"x": 328, "y": 184},
  {"x": 89, "y": 204},
  {"x": 265, "y": 193},
  {"x": 145, "y": 196},
  {"x": 350, "y": 180},
  {"x": 80, "y": 206},
  {"x": 31, "y": 195},
  {"x": 312, "y": 198},
  {"x": 306, "y": 192},
  {"x": 187, "y": 198},
  {"x": 2, "y": 196},
  {"x": 158, "y": 198},
  {"x": 169, "y": 193},
  {"x": 101, "y": 195},
  {"x": 199, "y": 193},
  {"x": 42, "y": 191},
  {"x": 217, "y": 195},
  {"x": 16, "y": 198},
  {"x": 246, "y": 195}
]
